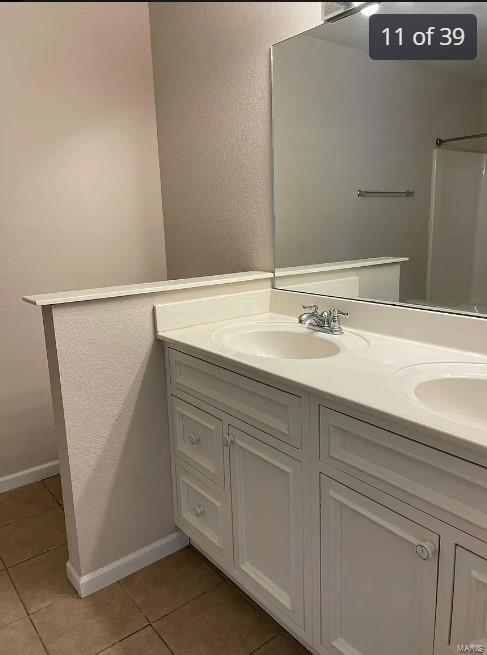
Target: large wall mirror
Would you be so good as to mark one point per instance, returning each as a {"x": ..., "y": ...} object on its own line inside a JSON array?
[{"x": 380, "y": 175}]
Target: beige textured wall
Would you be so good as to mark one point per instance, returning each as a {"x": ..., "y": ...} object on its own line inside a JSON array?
[
  {"x": 212, "y": 84},
  {"x": 79, "y": 184}
]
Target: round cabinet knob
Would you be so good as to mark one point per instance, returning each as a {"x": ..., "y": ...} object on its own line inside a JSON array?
[
  {"x": 425, "y": 550},
  {"x": 194, "y": 439},
  {"x": 227, "y": 440},
  {"x": 198, "y": 510}
]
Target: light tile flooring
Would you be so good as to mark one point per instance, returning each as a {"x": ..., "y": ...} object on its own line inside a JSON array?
[{"x": 180, "y": 605}]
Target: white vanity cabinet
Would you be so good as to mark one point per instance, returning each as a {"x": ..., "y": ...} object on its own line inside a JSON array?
[{"x": 358, "y": 540}]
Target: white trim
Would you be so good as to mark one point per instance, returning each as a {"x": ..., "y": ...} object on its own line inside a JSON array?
[
  {"x": 338, "y": 266},
  {"x": 146, "y": 287},
  {"x": 27, "y": 476},
  {"x": 120, "y": 568}
]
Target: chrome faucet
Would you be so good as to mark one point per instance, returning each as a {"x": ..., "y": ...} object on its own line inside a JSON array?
[{"x": 327, "y": 321}]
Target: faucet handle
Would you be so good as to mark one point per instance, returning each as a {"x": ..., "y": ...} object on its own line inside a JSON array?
[
  {"x": 311, "y": 308},
  {"x": 335, "y": 326},
  {"x": 338, "y": 312}
]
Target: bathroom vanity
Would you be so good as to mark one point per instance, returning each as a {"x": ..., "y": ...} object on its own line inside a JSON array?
[{"x": 360, "y": 531}]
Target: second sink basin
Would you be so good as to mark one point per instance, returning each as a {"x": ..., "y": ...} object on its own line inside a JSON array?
[
  {"x": 463, "y": 398},
  {"x": 281, "y": 341},
  {"x": 454, "y": 390}
]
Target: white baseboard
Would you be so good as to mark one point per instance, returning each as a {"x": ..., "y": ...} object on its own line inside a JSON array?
[
  {"x": 107, "y": 575},
  {"x": 34, "y": 474}
]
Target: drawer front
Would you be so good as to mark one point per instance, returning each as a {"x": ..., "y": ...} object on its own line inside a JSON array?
[
  {"x": 198, "y": 439},
  {"x": 446, "y": 482},
  {"x": 272, "y": 410},
  {"x": 204, "y": 513}
]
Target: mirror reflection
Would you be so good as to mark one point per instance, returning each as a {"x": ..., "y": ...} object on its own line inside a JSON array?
[{"x": 380, "y": 188}]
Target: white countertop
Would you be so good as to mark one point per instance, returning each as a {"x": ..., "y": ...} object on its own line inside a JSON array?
[{"x": 360, "y": 375}]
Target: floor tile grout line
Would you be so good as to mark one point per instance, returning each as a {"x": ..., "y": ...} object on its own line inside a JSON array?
[
  {"x": 27, "y": 615},
  {"x": 163, "y": 641},
  {"x": 61, "y": 600},
  {"x": 119, "y": 641},
  {"x": 38, "y": 634},
  {"x": 28, "y": 559},
  {"x": 18, "y": 594},
  {"x": 30, "y": 516},
  {"x": 149, "y": 625},
  {"x": 51, "y": 493},
  {"x": 163, "y": 616},
  {"x": 126, "y": 593},
  {"x": 149, "y": 622},
  {"x": 25, "y": 618},
  {"x": 8, "y": 625},
  {"x": 44, "y": 552},
  {"x": 54, "y": 602},
  {"x": 267, "y": 641}
]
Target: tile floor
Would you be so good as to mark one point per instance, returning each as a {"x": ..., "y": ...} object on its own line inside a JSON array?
[{"x": 180, "y": 605}]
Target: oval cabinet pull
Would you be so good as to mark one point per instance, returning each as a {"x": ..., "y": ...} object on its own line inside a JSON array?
[
  {"x": 425, "y": 550},
  {"x": 194, "y": 439},
  {"x": 198, "y": 510},
  {"x": 227, "y": 440}
]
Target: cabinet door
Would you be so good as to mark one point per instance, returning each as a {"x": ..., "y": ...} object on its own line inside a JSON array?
[
  {"x": 267, "y": 504},
  {"x": 379, "y": 577},
  {"x": 469, "y": 612}
]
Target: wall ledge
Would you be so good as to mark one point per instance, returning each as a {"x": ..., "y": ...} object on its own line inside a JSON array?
[
  {"x": 338, "y": 266},
  {"x": 147, "y": 287}
]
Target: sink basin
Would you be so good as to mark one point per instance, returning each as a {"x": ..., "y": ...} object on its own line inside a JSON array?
[
  {"x": 281, "y": 341},
  {"x": 454, "y": 390}
]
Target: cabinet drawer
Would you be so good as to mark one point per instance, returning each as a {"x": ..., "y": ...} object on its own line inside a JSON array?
[
  {"x": 429, "y": 475},
  {"x": 198, "y": 439},
  {"x": 204, "y": 513},
  {"x": 272, "y": 410}
]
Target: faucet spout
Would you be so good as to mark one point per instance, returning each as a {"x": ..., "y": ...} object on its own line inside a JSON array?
[{"x": 311, "y": 311}]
